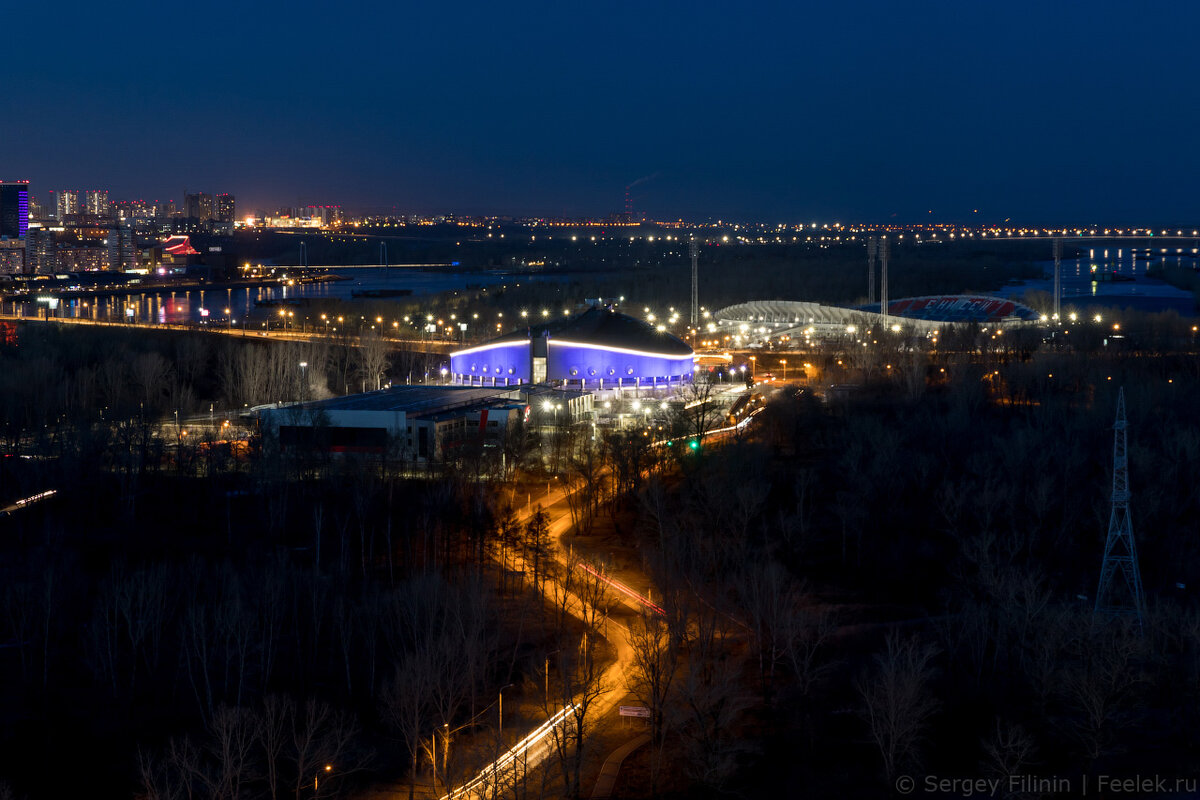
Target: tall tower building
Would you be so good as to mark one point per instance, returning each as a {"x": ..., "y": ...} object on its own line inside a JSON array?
[
  {"x": 14, "y": 209},
  {"x": 96, "y": 202},
  {"x": 68, "y": 203},
  {"x": 226, "y": 209}
]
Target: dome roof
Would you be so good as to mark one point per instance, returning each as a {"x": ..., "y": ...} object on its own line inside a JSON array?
[{"x": 605, "y": 327}]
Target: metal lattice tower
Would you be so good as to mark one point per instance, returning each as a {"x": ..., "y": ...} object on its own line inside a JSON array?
[
  {"x": 884, "y": 252},
  {"x": 1120, "y": 590},
  {"x": 1058, "y": 278},
  {"x": 694, "y": 250},
  {"x": 872, "y": 249}
]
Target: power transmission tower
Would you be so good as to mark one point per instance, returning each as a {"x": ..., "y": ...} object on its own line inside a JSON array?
[
  {"x": 694, "y": 249},
  {"x": 1120, "y": 590},
  {"x": 872, "y": 249},
  {"x": 1057, "y": 278},
  {"x": 884, "y": 252}
]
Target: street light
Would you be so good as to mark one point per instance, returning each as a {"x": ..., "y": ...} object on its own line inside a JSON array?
[
  {"x": 500, "y": 726},
  {"x": 753, "y": 359},
  {"x": 317, "y": 777}
]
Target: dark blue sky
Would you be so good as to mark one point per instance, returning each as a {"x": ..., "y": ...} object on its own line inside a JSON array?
[{"x": 1038, "y": 112}]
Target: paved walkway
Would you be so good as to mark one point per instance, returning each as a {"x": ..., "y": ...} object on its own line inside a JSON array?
[{"x": 612, "y": 767}]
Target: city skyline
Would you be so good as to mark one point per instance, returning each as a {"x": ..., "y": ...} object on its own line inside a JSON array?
[{"x": 784, "y": 113}]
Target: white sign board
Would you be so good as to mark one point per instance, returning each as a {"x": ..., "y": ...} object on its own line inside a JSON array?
[{"x": 634, "y": 711}]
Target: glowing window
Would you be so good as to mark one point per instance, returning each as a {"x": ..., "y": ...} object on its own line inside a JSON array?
[
  {"x": 629, "y": 370},
  {"x": 472, "y": 368},
  {"x": 612, "y": 371},
  {"x": 574, "y": 372},
  {"x": 591, "y": 371},
  {"x": 512, "y": 370}
]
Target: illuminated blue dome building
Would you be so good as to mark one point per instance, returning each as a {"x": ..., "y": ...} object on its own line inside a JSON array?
[{"x": 599, "y": 349}]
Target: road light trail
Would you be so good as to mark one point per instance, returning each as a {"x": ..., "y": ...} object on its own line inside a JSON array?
[
  {"x": 28, "y": 501},
  {"x": 491, "y": 775},
  {"x": 625, "y": 590}
]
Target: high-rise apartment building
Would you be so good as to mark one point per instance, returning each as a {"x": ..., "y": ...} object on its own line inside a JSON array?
[
  {"x": 14, "y": 209},
  {"x": 41, "y": 252},
  {"x": 122, "y": 250},
  {"x": 133, "y": 209},
  {"x": 226, "y": 211},
  {"x": 198, "y": 206},
  {"x": 96, "y": 202},
  {"x": 12, "y": 256},
  {"x": 68, "y": 203}
]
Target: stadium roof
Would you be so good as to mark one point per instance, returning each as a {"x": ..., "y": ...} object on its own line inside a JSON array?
[{"x": 920, "y": 312}]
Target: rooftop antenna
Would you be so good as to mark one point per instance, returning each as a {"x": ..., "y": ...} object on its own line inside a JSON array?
[
  {"x": 884, "y": 252},
  {"x": 1057, "y": 277},
  {"x": 1120, "y": 590},
  {"x": 694, "y": 249},
  {"x": 872, "y": 249},
  {"x": 303, "y": 254}
]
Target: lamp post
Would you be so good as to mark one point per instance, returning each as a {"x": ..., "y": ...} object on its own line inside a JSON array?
[
  {"x": 500, "y": 724},
  {"x": 753, "y": 359},
  {"x": 317, "y": 777},
  {"x": 547, "y": 690},
  {"x": 783, "y": 363}
]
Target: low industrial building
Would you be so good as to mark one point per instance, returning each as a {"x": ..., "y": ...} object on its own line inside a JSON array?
[{"x": 421, "y": 424}]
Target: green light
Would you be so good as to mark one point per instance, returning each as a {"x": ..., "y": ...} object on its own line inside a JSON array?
[{"x": 694, "y": 444}]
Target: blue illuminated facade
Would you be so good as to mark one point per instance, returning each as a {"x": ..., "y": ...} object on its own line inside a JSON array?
[
  {"x": 597, "y": 350},
  {"x": 504, "y": 364},
  {"x": 14, "y": 209}
]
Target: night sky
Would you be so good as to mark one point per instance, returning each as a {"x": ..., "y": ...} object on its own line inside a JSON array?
[{"x": 1034, "y": 112}]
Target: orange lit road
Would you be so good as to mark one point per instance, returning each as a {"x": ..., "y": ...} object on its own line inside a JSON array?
[{"x": 539, "y": 745}]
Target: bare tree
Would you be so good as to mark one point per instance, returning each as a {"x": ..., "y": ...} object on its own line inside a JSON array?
[
  {"x": 372, "y": 359},
  {"x": 897, "y": 700},
  {"x": 1100, "y": 683},
  {"x": 768, "y": 599},
  {"x": 1008, "y": 752},
  {"x": 580, "y": 593},
  {"x": 654, "y": 663},
  {"x": 710, "y": 700},
  {"x": 404, "y": 707}
]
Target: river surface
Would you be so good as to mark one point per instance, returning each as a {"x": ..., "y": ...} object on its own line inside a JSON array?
[
  {"x": 1080, "y": 290},
  {"x": 236, "y": 306}
]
